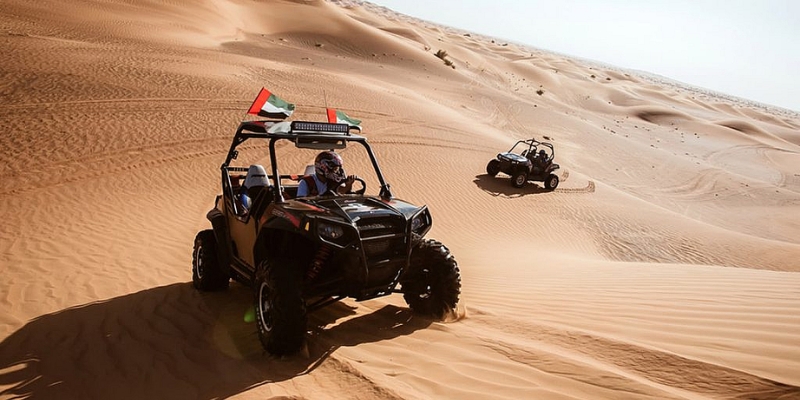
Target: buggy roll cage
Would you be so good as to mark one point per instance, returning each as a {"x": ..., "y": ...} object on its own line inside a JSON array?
[
  {"x": 304, "y": 134},
  {"x": 532, "y": 145}
]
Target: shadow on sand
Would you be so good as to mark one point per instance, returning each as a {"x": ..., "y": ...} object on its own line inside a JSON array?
[
  {"x": 501, "y": 186},
  {"x": 171, "y": 342}
]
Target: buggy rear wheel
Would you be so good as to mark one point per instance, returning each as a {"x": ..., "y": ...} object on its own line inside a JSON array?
[
  {"x": 432, "y": 284},
  {"x": 206, "y": 271},
  {"x": 551, "y": 182},
  {"x": 493, "y": 167},
  {"x": 279, "y": 305},
  {"x": 519, "y": 178}
]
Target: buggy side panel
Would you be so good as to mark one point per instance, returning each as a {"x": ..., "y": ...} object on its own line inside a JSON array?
[
  {"x": 222, "y": 235},
  {"x": 280, "y": 238}
]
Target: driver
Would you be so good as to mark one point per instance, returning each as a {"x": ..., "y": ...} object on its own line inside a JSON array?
[{"x": 328, "y": 170}]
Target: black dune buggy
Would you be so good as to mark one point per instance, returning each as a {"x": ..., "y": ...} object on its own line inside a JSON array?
[
  {"x": 528, "y": 160},
  {"x": 301, "y": 254}
]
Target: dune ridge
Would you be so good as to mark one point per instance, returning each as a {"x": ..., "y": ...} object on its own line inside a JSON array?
[{"x": 664, "y": 266}]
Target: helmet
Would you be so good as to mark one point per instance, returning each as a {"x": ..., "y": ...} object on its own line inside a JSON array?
[
  {"x": 328, "y": 164},
  {"x": 542, "y": 153}
]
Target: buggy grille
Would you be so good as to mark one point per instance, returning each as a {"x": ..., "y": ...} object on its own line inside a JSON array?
[
  {"x": 374, "y": 227},
  {"x": 384, "y": 248}
]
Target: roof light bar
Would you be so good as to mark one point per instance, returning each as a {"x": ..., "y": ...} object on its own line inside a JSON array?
[{"x": 319, "y": 127}]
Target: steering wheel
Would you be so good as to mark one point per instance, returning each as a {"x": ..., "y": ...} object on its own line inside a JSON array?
[
  {"x": 333, "y": 192},
  {"x": 363, "y": 187}
]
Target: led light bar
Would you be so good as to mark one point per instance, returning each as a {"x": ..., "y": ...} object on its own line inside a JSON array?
[{"x": 319, "y": 127}]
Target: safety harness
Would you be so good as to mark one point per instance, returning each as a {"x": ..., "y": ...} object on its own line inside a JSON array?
[{"x": 312, "y": 185}]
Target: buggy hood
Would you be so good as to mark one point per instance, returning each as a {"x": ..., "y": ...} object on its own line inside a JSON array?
[{"x": 355, "y": 208}]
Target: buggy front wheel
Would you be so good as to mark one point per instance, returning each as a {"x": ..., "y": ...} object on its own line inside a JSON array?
[
  {"x": 493, "y": 167},
  {"x": 518, "y": 179},
  {"x": 432, "y": 283},
  {"x": 279, "y": 305}
]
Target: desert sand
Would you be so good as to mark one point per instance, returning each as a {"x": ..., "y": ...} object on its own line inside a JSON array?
[{"x": 666, "y": 265}]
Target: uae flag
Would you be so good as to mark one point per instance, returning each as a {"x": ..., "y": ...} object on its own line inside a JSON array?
[
  {"x": 338, "y": 117},
  {"x": 270, "y": 106}
]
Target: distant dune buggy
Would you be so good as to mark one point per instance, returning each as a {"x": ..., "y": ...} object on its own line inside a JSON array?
[
  {"x": 299, "y": 254},
  {"x": 528, "y": 160}
]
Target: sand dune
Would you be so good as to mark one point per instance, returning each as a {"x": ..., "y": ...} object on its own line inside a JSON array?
[{"x": 665, "y": 265}]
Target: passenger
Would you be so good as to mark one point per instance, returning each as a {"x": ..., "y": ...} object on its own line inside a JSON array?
[
  {"x": 542, "y": 157},
  {"x": 539, "y": 161}
]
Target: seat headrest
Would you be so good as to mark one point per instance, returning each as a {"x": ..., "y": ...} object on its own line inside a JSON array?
[{"x": 256, "y": 176}]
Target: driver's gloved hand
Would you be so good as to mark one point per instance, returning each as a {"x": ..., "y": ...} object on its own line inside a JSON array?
[{"x": 348, "y": 183}]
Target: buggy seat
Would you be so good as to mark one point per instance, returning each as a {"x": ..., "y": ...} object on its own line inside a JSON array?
[{"x": 254, "y": 182}]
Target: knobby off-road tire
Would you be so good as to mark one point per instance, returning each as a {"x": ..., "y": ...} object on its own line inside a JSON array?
[
  {"x": 206, "y": 272},
  {"x": 518, "y": 179},
  {"x": 493, "y": 168},
  {"x": 551, "y": 182},
  {"x": 280, "y": 307},
  {"x": 432, "y": 284}
]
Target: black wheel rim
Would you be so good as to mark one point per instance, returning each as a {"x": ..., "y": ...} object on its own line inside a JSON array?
[
  {"x": 520, "y": 180},
  {"x": 198, "y": 256},
  {"x": 426, "y": 289},
  {"x": 264, "y": 308}
]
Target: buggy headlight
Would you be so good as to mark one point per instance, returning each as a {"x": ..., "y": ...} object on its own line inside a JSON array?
[
  {"x": 417, "y": 223},
  {"x": 420, "y": 222},
  {"x": 330, "y": 231}
]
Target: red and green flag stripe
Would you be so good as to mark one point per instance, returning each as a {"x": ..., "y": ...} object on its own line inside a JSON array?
[
  {"x": 339, "y": 117},
  {"x": 269, "y": 105}
]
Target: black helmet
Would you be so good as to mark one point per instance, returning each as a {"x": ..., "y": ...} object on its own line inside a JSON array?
[{"x": 328, "y": 164}]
